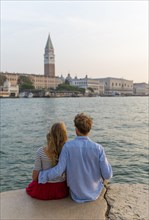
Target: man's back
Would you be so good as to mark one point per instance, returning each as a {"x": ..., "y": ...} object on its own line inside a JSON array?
[{"x": 84, "y": 172}]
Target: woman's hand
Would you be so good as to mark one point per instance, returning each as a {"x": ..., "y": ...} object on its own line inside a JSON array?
[{"x": 35, "y": 174}]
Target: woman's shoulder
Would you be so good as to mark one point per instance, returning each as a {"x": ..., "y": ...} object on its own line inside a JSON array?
[{"x": 40, "y": 150}]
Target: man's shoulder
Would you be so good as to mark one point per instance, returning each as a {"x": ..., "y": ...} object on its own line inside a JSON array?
[
  {"x": 95, "y": 144},
  {"x": 70, "y": 142},
  {"x": 90, "y": 142}
]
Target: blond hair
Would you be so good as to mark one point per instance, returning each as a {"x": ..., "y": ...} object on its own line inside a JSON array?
[
  {"x": 56, "y": 138},
  {"x": 83, "y": 123}
]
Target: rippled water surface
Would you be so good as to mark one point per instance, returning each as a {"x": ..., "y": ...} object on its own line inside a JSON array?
[{"x": 120, "y": 125}]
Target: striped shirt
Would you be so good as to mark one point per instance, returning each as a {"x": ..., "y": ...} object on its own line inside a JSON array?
[{"x": 42, "y": 162}]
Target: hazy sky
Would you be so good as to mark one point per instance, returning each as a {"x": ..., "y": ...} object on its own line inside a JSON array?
[{"x": 94, "y": 38}]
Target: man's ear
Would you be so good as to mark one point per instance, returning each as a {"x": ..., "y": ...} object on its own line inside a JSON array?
[{"x": 77, "y": 131}]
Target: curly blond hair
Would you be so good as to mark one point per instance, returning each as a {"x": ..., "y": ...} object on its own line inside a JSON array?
[
  {"x": 83, "y": 123},
  {"x": 56, "y": 138}
]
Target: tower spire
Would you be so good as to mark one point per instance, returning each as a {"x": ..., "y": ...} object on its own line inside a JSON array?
[
  {"x": 49, "y": 44},
  {"x": 49, "y": 59}
]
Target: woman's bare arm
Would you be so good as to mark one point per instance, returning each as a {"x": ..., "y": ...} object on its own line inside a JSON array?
[{"x": 35, "y": 175}]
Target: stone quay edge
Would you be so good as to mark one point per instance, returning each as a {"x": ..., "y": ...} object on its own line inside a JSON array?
[{"x": 117, "y": 202}]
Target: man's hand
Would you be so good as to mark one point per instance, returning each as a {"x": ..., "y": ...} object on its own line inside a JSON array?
[{"x": 105, "y": 182}]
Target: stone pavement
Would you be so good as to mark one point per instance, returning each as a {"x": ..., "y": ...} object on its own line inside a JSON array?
[
  {"x": 128, "y": 202},
  {"x": 121, "y": 202},
  {"x": 18, "y": 205}
]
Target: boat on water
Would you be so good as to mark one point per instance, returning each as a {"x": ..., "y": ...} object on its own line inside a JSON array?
[
  {"x": 22, "y": 95},
  {"x": 30, "y": 95},
  {"x": 25, "y": 95}
]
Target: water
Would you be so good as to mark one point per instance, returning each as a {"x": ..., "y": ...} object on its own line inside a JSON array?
[{"x": 120, "y": 125}]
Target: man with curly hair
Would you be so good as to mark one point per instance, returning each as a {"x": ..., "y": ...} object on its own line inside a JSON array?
[{"x": 84, "y": 161}]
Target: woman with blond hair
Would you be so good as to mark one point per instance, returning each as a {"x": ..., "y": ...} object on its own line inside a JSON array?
[{"x": 47, "y": 157}]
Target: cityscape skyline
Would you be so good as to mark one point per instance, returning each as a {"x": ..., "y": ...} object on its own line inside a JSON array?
[{"x": 98, "y": 39}]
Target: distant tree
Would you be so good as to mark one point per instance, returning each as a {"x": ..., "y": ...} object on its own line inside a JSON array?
[
  {"x": 25, "y": 83},
  {"x": 2, "y": 79},
  {"x": 66, "y": 87},
  {"x": 91, "y": 89},
  {"x": 67, "y": 82}
]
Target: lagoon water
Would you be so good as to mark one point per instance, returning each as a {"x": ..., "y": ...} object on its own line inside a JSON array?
[{"x": 120, "y": 125}]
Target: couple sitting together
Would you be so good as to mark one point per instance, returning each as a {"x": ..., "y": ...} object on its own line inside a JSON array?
[{"x": 78, "y": 166}]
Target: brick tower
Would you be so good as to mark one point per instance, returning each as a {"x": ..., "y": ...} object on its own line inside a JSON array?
[{"x": 49, "y": 59}]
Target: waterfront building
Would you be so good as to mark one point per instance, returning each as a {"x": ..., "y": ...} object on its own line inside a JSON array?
[
  {"x": 117, "y": 86},
  {"x": 49, "y": 59},
  {"x": 39, "y": 81},
  {"x": 45, "y": 82},
  {"x": 86, "y": 83},
  {"x": 8, "y": 90},
  {"x": 141, "y": 88},
  {"x": 104, "y": 86},
  {"x": 11, "y": 77}
]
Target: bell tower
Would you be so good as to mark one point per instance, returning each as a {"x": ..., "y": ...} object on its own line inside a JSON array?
[{"x": 49, "y": 59}]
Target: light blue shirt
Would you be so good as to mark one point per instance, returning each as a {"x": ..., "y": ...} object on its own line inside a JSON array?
[{"x": 86, "y": 166}]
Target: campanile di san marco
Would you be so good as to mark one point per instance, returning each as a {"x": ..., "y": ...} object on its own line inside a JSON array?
[{"x": 49, "y": 59}]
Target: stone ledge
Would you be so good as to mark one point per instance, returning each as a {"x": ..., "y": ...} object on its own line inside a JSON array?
[
  {"x": 128, "y": 202},
  {"x": 125, "y": 202},
  {"x": 18, "y": 205}
]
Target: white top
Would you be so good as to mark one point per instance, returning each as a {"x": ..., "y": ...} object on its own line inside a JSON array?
[{"x": 42, "y": 162}]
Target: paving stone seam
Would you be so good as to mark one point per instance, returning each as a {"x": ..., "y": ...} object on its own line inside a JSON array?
[{"x": 108, "y": 205}]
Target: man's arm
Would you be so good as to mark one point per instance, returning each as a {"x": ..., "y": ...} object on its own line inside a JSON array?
[
  {"x": 58, "y": 170},
  {"x": 105, "y": 167}
]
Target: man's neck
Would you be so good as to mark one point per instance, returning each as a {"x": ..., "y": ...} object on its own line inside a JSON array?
[{"x": 78, "y": 133}]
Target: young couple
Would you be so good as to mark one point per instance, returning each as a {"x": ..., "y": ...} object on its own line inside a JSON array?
[{"x": 78, "y": 166}]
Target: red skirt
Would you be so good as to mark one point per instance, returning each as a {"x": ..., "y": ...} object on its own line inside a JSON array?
[{"x": 47, "y": 191}]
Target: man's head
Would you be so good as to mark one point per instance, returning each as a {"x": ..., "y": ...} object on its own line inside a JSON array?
[{"x": 83, "y": 124}]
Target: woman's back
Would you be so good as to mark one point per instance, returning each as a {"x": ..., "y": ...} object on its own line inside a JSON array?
[{"x": 43, "y": 162}]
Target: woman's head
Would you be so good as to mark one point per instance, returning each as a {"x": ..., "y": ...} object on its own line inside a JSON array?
[{"x": 56, "y": 138}]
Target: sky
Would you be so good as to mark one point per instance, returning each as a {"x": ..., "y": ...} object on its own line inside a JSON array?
[{"x": 95, "y": 38}]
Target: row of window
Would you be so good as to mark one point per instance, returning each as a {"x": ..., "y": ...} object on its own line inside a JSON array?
[
  {"x": 44, "y": 84},
  {"x": 42, "y": 81},
  {"x": 37, "y": 80},
  {"x": 13, "y": 79},
  {"x": 80, "y": 83},
  {"x": 93, "y": 82},
  {"x": 119, "y": 84},
  {"x": 85, "y": 83}
]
